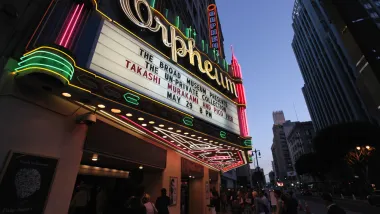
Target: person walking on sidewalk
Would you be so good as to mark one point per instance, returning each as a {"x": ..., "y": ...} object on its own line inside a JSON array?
[
  {"x": 332, "y": 208},
  {"x": 149, "y": 206},
  {"x": 163, "y": 202},
  {"x": 279, "y": 203}
]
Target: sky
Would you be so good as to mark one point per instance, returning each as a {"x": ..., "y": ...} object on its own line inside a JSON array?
[{"x": 261, "y": 34}]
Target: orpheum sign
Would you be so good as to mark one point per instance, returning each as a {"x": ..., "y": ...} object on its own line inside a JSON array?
[
  {"x": 180, "y": 47},
  {"x": 213, "y": 27},
  {"x": 126, "y": 60}
]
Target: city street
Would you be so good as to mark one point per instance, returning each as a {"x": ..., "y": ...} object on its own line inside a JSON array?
[{"x": 317, "y": 205}]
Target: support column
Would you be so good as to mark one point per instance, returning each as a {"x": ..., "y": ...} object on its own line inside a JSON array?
[
  {"x": 198, "y": 196},
  {"x": 67, "y": 171},
  {"x": 173, "y": 169},
  {"x": 206, "y": 197}
]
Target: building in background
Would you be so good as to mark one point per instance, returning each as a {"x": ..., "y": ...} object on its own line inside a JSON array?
[
  {"x": 258, "y": 178},
  {"x": 272, "y": 178},
  {"x": 229, "y": 180},
  {"x": 278, "y": 117},
  {"x": 300, "y": 142},
  {"x": 244, "y": 177},
  {"x": 359, "y": 25},
  {"x": 300, "y": 139},
  {"x": 327, "y": 68},
  {"x": 281, "y": 157},
  {"x": 288, "y": 126}
]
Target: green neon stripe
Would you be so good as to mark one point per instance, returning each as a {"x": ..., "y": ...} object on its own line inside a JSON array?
[
  {"x": 39, "y": 64},
  {"x": 30, "y": 68},
  {"x": 48, "y": 58},
  {"x": 131, "y": 98},
  {"x": 177, "y": 21},
  {"x": 152, "y": 3},
  {"x": 223, "y": 134},
  {"x": 50, "y": 53},
  {"x": 248, "y": 143},
  {"x": 188, "y": 121}
]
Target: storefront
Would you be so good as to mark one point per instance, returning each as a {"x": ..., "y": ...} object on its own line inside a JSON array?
[{"x": 119, "y": 91}]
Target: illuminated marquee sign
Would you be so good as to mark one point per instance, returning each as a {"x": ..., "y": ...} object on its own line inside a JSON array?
[
  {"x": 213, "y": 27},
  {"x": 179, "y": 47},
  {"x": 124, "y": 59}
]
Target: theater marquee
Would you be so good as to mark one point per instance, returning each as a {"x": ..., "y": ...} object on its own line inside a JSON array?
[{"x": 129, "y": 62}]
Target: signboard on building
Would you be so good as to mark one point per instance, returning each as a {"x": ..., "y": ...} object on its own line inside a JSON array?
[
  {"x": 124, "y": 59},
  {"x": 213, "y": 25},
  {"x": 25, "y": 183},
  {"x": 291, "y": 173}
]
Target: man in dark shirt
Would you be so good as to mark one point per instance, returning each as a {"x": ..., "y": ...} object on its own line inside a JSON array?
[
  {"x": 163, "y": 202},
  {"x": 332, "y": 208}
]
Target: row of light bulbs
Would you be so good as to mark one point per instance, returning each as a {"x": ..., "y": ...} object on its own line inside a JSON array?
[{"x": 95, "y": 157}]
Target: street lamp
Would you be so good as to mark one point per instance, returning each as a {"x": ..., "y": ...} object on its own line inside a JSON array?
[
  {"x": 358, "y": 147},
  {"x": 368, "y": 147},
  {"x": 257, "y": 156}
]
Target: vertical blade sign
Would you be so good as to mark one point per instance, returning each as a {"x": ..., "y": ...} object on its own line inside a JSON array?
[{"x": 213, "y": 25}]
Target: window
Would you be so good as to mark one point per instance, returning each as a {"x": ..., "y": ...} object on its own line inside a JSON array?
[
  {"x": 374, "y": 15},
  {"x": 367, "y": 6}
]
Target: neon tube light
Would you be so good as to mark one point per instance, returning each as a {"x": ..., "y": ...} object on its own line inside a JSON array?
[
  {"x": 44, "y": 57},
  {"x": 74, "y": 25},
  {"x": 107, "y": 115},
  {"x": 166, "y": 141},
  {"x": 49, "y": 66},
  {"x": 49, "y": 53},
  {"x": 68, "y": 26}
]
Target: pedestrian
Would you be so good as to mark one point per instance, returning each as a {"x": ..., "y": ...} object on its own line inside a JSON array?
[
  {"x": 149, "y": 206},
  {"x": 224, "y": 201},
  {"x": 261, "y": 203},
  {"x": 240, "y": 199},
  {"x": 80, "y": 202},
  {"x": 101, "y": 200},
  {"x": 279, "y": 203},
  {"x": 332, "y": 208},
  {"x": 215, "y": 201},
  {"x": 248, "y": 203},
  {"x": 163, "y": 202},
  {"x": 235, "y": 206},
  {"x": 135, "y": 205},
  {"x": 290, "y": 204}
]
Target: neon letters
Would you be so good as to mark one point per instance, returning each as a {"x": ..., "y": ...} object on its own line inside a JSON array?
[{"x": 183, "y": 49}]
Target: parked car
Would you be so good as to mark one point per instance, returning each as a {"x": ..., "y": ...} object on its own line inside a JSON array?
[{"x": 374, "y": 198}]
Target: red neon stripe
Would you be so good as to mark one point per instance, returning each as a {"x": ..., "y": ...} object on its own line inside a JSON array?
[
  {"x": 74, "y": 25},
  {"x": 68, "y": 26},
  {"x": 241, "y": 122},
  {"x": 246, "y": 122},
  {"x": 240, "y": 94}
]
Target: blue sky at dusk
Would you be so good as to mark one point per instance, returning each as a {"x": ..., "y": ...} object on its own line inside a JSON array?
[{"x": 261, "y": 34}]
